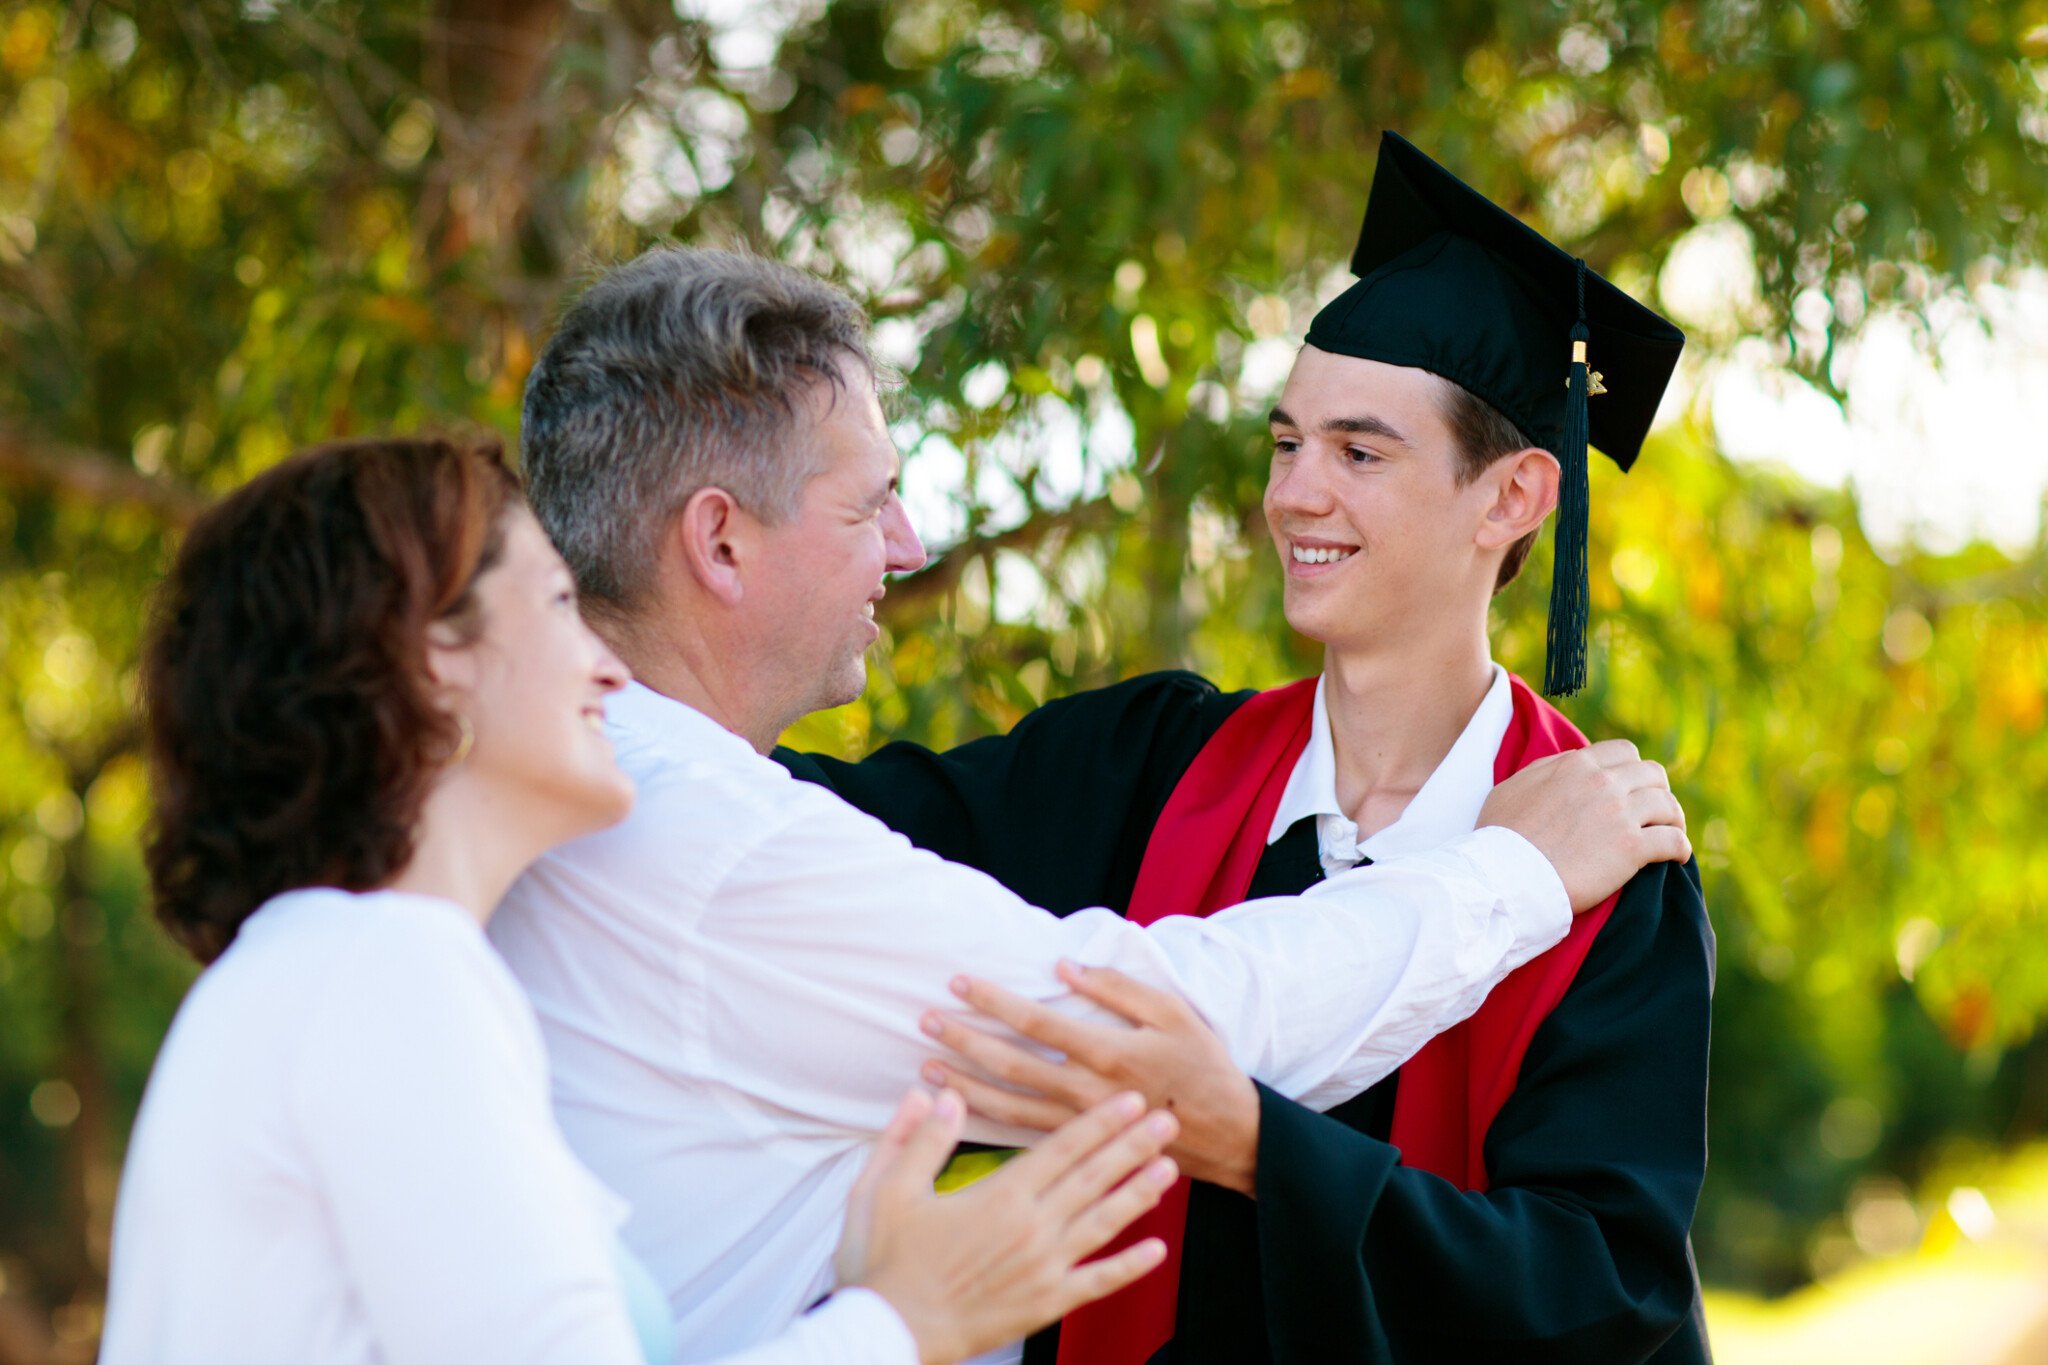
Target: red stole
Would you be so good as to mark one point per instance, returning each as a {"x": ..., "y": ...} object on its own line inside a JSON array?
[{"x": 1201, "y": 858}]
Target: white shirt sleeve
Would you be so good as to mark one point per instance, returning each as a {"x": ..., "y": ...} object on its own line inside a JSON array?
[
  {"x": 829, "y": 935},
  {"x": 468, "y": 1229},
  {"x": 854, "y": 1327}
]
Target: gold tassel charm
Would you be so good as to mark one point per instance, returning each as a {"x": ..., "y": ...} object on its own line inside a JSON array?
[{"x": 1594, "y": 388}]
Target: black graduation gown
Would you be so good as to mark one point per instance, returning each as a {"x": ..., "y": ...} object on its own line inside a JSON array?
[{"x": 1578, "y": 1253}]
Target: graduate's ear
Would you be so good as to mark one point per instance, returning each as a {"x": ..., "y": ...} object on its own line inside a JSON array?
[
  {"x": 1522, "y": 491},
  {"x": 710, "y": 539}
]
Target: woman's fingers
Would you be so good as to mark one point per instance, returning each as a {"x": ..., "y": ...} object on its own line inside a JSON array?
[
  {"x": 1102, "y": 1220},
  {"x": 850, "y": 1259},
  {"x": 1102, "y": 1170},
  {"x": 1043, "y": 1166},
  {"x": 1100, "y": 1279},
  {"x": 926, "y": 1148},
  {"x": 911, "y": 1112},
  {"x": 998, "y": 1105}
]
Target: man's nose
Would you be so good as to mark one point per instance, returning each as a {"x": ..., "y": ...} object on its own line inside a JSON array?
[
  {"x": 906, "y": 551},
  {"x": 1296, "y": 486}
]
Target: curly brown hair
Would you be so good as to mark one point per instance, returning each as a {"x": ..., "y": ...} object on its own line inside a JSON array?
[{"x": 291, "y": 724}]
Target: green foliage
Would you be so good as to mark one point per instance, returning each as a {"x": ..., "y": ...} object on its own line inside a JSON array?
[{"x": 1088, "y": 233}]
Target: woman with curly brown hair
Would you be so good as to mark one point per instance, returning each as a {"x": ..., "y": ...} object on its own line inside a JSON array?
[{"x": 371, "y": 701}]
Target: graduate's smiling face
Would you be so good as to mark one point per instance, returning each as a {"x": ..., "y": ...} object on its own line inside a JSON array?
[{"x": 1379, "y": 539}]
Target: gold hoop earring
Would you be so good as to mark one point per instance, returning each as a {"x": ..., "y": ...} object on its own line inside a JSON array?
[{"x": 465, "y": 743}]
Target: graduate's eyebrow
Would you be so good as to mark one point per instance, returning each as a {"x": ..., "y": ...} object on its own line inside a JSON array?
[{"x": 1354, "y": 426}]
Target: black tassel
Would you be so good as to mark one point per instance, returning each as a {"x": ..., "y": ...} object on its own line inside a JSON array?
[{"x": 1564, "y": 665}]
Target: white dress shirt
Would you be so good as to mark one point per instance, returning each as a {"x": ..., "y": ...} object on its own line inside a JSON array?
[
  {"x": 1447, "y": 806},
  {"x": 730, "y": 983},
  {"x": 346, "y": 1156}
]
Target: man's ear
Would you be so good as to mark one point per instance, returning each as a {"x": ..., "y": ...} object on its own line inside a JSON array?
[
  {"x": 711, "y": 538},
  {"x": 1524, "y": 487}
]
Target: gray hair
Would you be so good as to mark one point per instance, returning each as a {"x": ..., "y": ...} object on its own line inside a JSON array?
[{"x": 678, "y": 371}]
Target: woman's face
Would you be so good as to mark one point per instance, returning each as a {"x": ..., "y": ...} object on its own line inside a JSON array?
[{"x": 533, "y": 687}]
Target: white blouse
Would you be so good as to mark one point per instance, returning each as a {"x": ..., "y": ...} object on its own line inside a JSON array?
[{"x": 346, "y": 1157}]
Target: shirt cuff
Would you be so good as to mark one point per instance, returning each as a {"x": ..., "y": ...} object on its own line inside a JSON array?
[
  {"x": 865, "y": 1321},
  {"x": 1525, "y": 883}
]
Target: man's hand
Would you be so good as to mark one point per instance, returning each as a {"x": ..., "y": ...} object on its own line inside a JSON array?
[
  {"x": 1168, "y": 1055},
  {"x": 971, "y": 1270},
  {"x": 1599, "y": 814}
]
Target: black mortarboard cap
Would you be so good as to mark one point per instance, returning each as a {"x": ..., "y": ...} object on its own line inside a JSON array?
[{"x": 1452, "y": 283}]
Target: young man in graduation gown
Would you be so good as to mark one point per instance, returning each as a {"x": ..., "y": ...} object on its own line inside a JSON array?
[{"x": 1522, "y": 1190}]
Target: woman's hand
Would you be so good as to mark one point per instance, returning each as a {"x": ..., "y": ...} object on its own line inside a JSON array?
[
  {"x": 991, "y": 1263},
  {"x": 1167, "y": 1054}
]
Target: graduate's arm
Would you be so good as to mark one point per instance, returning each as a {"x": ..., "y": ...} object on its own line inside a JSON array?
[
  {"x": 829, "y": 938},
  {"x": 1579, "y": 1250},
  {"x": 1086, "y": 775}
]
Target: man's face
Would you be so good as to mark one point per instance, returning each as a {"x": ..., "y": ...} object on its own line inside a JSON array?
[
  {"x": 823, "y": 568},
  {"x": 1375, "y": 534}
]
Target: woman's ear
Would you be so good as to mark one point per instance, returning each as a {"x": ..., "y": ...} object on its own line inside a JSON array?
[
  {"x": 451, "y": 662},
  {"x": 1524, "y": 488}
]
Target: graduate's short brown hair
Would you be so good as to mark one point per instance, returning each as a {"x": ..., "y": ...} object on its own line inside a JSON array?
[
  {"x": 291, "y": 725},
  {"x": 1485, "y": 435}
]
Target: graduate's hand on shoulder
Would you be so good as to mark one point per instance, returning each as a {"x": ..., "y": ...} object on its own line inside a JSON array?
[
  {"x": 1599, "y": 814},
  {"x": 1000, "y": 1259},
  {"x": 1167, "y": 1053}
]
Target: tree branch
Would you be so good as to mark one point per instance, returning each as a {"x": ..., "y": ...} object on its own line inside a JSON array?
[
  {"x": 942, "y": 574},
  {"x": 94, "y": 477}
]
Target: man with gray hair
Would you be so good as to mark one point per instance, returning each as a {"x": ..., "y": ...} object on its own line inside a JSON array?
[{"x": 731, "y": 982}]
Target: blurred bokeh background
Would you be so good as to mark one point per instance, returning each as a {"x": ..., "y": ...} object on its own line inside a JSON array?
[{"x": 1091, "y": 234}]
